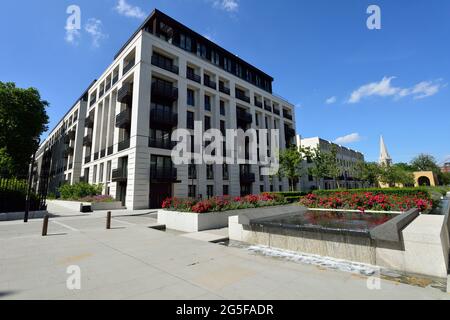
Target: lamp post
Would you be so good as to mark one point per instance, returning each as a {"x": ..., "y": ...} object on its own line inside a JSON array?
[{"x": 30, "y": 181}]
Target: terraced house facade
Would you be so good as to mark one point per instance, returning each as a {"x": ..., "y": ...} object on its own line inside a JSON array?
[{"x": 165, "y": 77}]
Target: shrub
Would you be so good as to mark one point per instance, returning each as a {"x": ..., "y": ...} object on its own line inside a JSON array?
[
  {"x": 367, "y": 201},
  {"x": 220, "y": 204},
  {"x": 414, "y": 192},
  {"x": 79, "y": 191},
  {"x": 98, "y": 199}
]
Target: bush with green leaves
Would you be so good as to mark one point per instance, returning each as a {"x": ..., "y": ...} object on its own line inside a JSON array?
[
  {"x": 79, "y": 191},
  {"x": 423, "y": 192}
]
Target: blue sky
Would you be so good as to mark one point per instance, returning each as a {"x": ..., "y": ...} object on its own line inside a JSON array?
[{"x": 349, "y": 83}]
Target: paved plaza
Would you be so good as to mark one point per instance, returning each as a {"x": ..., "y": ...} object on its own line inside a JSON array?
[{"x": 134, "y": 261}]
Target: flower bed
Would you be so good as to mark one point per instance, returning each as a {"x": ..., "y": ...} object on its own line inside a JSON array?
[
  {"x": 220, "y": 204},
  {"x": 98, "y": 199},
  {"x": 364, "y": 201}
]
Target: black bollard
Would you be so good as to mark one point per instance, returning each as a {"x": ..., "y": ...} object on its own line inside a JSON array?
[
  {"x": 108, "y": 220},
  {"x": 45, "y": 225}
]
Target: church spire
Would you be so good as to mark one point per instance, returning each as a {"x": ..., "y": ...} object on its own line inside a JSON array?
[{"x": 385, "y": 158}]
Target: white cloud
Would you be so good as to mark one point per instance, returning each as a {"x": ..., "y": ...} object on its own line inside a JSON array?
[
  {"x": 384, "y": 88},
  {"x": 331, "y": 100},
  {"x": 94, "y": 28},
  {"x": 351, "y": 138},
  {"x": 129, "y": 10},
  {"x": 227, "y": 5},
  {"x": 72, "y": 36}
]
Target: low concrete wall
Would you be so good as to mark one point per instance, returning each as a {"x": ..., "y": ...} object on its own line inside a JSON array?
[
  {"x": 424, "y": 240},
  {"x": 75, "y": 206},
  {"x": 12, "y": 216},
  {"x": 194, "y": 222}
]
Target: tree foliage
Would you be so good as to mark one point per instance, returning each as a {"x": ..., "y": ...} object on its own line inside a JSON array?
[
  {"x": 291, "y": 165},
  {"x": 23, "y": 119}
]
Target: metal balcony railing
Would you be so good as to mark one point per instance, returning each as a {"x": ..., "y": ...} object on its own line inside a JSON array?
[
  {"x": 165, "y": 90},
  {"x": 123, "y": 119},
  {"x": 164, "y": 63}
]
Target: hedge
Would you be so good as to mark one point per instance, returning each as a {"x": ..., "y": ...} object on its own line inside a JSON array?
[
  {"x": 388, "y": 191},
  {"x": 79, "y": 191}
]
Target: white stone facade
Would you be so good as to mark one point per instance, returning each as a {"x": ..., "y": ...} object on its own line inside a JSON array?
[{"x": 155, "y": 67}]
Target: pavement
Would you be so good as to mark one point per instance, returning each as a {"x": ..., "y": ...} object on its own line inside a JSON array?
[{"x": 135, "y": 261}]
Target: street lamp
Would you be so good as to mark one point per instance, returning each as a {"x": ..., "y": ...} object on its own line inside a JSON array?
[{"x": 30, "y": 181}]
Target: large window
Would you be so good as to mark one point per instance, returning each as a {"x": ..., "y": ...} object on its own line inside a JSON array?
[
  {"x": 210, "y": 191},
  {"x": 190, "y": 97},
  {"x": 210, "y": 172},
  {"x": 201, "y": 50},
  {"x": 207, "y": 103},
  {"x": 190, "y": 120},
  {"x": 215, "y": 58},
  {"x": 222, "y": 108},
  {"x": 192, "y": 191},
  {"x": 185, "y": 42},
  {"x": 225, "y": 172},
  {"x": 207, "y": 123}
]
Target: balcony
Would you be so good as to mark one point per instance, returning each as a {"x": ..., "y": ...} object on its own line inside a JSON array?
[
  {"x": 164, "y": 90},
  {"x": 247, "y": 177},
  {"x": 68, "y": 152},
  {"x": 89, "y": 122},
  {"x": 108, "y": 86},
  {"x": 224, "y": 89},
  {"x": 244, "y": 116},
  {"x": 123, "y": 145},
  {"x": 128, "y": 66},
  {"x": 210, "y": 84},
  {"x": 87, "y": 141},
  {"x": 194, "y": 77},
  {"x": 123, "y": 119},
  {"x": 276, "y": 111},
  {"x": 93, "y": 100},
  {"x": 258, "y": 104},
  {"x": 163, "y": 175},
  {"x": 164, "y": 63},
  {"x": 125, "y": 94},
  {"x": 242, "y": 96},
  {"x": 164, "y": 117},
  {"x": 289, "y": 132},
  {"x": 115, "y": 79},
  {"x": 103, "y": 153},
  {"x": 119, "y": 175},
  {"x": 95, "y": 156},
  {"x": 87, "y": 159},
  {"x": 267, "y": 107},
  {"x": 161, "y": 144},
  {"x": 287, "y": 115}
]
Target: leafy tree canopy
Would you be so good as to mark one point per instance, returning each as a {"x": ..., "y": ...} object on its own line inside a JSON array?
[{"x": 23, "y": 118}]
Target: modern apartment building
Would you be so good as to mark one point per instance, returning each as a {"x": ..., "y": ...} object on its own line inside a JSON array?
[
  {"x": 347, "y": 159},
  {"x": 165, "y": 77}
]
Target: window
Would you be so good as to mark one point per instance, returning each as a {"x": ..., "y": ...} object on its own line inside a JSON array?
[
  {"x": 210, "y": 191},
  {"x": 192, "y": 192},
  {"x": 239, "y": 70},
  {"x": 226, "y": 190},
  {"x": 102, "y": 167},
  {"x": 192, "y": 171},
  {"x": 222, "y": 128},
  {"x": 190, "y": 97},
  {"x": 185, "y": 42},
  {"x": 201, "y": 50},
  {"x": 207, "y": 123},
  {"x": 227, "y": 64},
  {"x": 222, "y": 108},
  {"x": 225, "y": 172},
  {"x": 215, "y": 58},
  {"x": 257, "y": 120},
  {"x": 207, "y": 103},
  {"x": 261, "y": 189},
  {"x": 190, "y": 120},
  {"x": 210, "y": 172}
]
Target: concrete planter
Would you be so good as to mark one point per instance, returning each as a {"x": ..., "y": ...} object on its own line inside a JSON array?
[
  {"x": 77, "y": 206},
  {"x": 104, "y": 206},
  {"x": 194, "y": 222}
]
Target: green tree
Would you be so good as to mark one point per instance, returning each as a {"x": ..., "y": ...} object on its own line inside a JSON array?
[
  {"x": 425, "y": 162},
  {"x": 333, "y": 167},
  {"x": 320, "y": 161},
  {"x": 291, "y": 161},
  {"x": 23, "y": 119},
  {"x": 394, "y": 175},
  {"x": 368, "y": 172}
]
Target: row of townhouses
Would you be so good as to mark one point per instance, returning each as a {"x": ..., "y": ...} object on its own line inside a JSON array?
[
  {"x": 347, "y": 160},
  {"x": 166, "y": 76}
]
